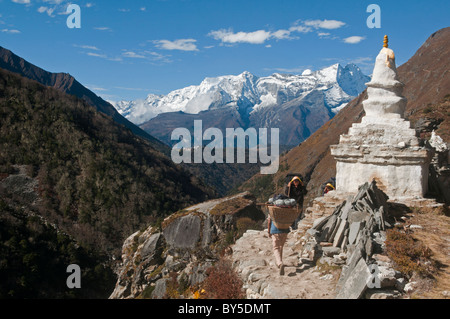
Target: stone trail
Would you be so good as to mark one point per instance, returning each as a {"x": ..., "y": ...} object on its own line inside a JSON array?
[{"x": 253, "y": 259}]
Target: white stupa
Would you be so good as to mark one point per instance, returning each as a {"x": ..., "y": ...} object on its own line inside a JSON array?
[{"x": 383, "y": 146}]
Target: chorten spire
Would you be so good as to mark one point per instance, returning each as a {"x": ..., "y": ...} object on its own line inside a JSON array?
[
  {"x": 384, "y": 90},
  {"x": 383, "y": 146}
]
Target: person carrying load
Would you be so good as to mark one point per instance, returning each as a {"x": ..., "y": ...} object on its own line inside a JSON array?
[
  {"x": 279, "y": 237},
  {"x": 278, "y": 229},
  {"x": 296, "y": 189}
]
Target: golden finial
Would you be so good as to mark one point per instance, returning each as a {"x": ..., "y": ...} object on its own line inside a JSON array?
[{"x": 385, "y": 42}]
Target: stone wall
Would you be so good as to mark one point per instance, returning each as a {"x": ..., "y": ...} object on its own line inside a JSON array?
[{"x": 353, "y": 237}]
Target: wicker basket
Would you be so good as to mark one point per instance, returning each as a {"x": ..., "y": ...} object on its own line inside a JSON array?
[{"x": 283, "y": 217}]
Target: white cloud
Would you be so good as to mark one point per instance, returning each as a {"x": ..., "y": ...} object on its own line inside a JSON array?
[
  {"x": 180, "y": 44},
  {"x": 88, "y": 47},
  {"x": 103, "y": 28},
  {"x": 21, "y": 1},
  {"x": 103, "y": 56},
  {"x": 281, "y": 34},
  {"x": 98, "y": 55},
  {"x": 155, "y": 56},
  {"x": 54, "y": 1},
  {"x": 259, "y": 36},
  {"x": 325, "y": 24},
  {"x": 47, "y": 10},
  {"x": 10, "y": 31},
  {"x": 354, "y": 39},
  {"x": 228, "y": 36},
  {"x": 133, "y": 55},
  {"x": 300, "y": 28},
  {"x": 96, "y": 88}
]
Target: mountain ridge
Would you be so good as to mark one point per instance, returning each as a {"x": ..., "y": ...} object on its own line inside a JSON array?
[
  {"x": 242, "y": 89},
  {"x": 68, "y": 84},
  {"x": 246, "y": 100}
]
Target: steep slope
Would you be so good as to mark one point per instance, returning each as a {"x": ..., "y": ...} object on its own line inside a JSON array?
[
  {"x": 427, "y": 82},
  {"x": 68, "y": 84},
  {"x": 94, "y": 179}
]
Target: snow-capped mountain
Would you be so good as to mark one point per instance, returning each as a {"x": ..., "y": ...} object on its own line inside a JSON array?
[
  {"x": 253, "y": 100},
  {"x": 249, "y": 92}
]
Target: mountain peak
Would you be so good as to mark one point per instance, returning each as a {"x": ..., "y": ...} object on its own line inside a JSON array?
[
  {"x": 246, "y": 74},
  {"x": 329, "y": 74},
  {"x": 352, "y": 80},
  {"x": 249, "y": 93}
]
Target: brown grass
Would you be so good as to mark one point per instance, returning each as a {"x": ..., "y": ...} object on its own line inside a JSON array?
[{"x": 435, "y": 237}]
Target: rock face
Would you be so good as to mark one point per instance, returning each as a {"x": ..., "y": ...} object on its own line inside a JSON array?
[
  {"x": 383, "y": 146},
  {"x": 188, "y": 243}
]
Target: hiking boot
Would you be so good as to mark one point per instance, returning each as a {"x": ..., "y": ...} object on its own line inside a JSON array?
[{"x": 282, "y": 270}]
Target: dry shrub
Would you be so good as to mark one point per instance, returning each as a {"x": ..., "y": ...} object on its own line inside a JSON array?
[
  {"x": 408, "y": 254},
  {"x": 223, "y": 282}
]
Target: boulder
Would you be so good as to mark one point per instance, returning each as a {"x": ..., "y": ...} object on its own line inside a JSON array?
[
  {"x": 188, "y": 243},
  {"x": 356, "y": 283},
  {"x": 184, "y": 232}
]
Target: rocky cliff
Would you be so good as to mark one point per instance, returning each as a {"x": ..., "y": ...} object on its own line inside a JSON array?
[{"x": 184, "y": 247}]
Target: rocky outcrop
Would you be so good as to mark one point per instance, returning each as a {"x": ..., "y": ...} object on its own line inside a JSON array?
[
  {"x": 186, "y": 245},
  {"x": 353, "y": 237},
  {"x": 439, "y": 180}
]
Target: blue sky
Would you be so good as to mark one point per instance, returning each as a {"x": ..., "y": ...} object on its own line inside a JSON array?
[{"x": 127, "y": 49}]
